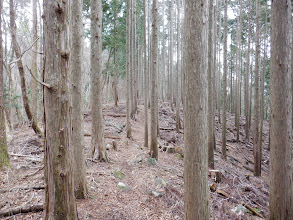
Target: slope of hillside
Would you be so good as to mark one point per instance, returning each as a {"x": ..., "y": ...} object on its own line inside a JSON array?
[{"x": 131, "y": 185}]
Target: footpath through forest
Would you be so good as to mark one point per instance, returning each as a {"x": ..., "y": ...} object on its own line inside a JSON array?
[{"x": 133, "y": 186}]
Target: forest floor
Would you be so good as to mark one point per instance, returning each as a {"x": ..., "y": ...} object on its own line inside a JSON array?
[{"x": 132, "y": 186}]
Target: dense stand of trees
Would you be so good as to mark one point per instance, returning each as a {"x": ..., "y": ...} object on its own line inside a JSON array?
[{"x": 207, "y": 57}]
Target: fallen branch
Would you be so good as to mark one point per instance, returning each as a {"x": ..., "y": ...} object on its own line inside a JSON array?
[
  {"x": 228, "y": 145},
  {"x": 22, "y": 209},
  {"x": 34, "y": 173},
  {"x": 252, "y": 210},
  {"x": 116, "y": 115},
  {"x": 27, "y": 157},
  {"x": 112, "y": 137},
  {"x": 167, "y": 129},
  {"x": 23, "y": 188},
  {"x": 106, "y": 136},
  {"x": 223, "y": 193},
  {"x": 248, "y": 168}
]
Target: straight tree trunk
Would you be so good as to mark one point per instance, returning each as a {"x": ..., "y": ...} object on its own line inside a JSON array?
[
  {"x": 238, "y": 74},
  {"x": 4, "y": 157},
  {"x": 224, "y": 121},
  {"x": 171, "y": 55},
  {"x": 146, "y": 132},
  {"x": 59, "y": 177},
  {"x": 281, "y": 170},
  {"x": 211, "y": 131},
  {"x": 218, "y": 67},
  {"x": 177, "y": 81},
  {"x": 154, "y": 96},
  {"x": 34, "y": 83},
  {"x": 250, "y": 96},
  {"x": 164, "y": 78},
  {"x": 128, "y": 69},
  {"x": 196, "y": 193},
  {"x": 98, "y": 142},
  {"x": 77, "y": 138},
  {"x": 256, "y": 145},
  {"x": 17, "y": 50},
  {"x": 262, "y": 89},
  {"x": 115, "y": 81},
  {"x": 246, "y": 83}
]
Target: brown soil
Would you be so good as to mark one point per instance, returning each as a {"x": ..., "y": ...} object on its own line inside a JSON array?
[{"x": 22, "y": 183}]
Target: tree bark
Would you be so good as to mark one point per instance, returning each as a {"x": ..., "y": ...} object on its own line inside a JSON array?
[
  {"x": 224, "y": 117},
  {"x": 146, "y": 132},
  {"x": 171, "y": 56},
  {"x": 246, "y": 83},
  {"x": 154, "y": 96},
  {"x": 211, "y": 131},
  {"x": 177, "y": 81},
  {"x": 262, "y": 89},
  {"x": 17, "y": 50},
  {"x": 115, "y": 81},
  {"x": 128, "y": 69},
  {"x": 256, "y": 145},
  {"x": 77, "y": 138},
  {"x": 59, "y": 178},
  {"x": 34, "y": 83},
  {"x": 238, "y": 74},
  {"x": 281, "y": 170},
  {"x": 4, "y": 157},
  {"x": 196, "y": 196},
  {"x": 98, "y": 142}
]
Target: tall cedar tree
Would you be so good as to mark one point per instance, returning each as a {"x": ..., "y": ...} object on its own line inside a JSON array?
[
  {"x": 196, "y": 192},
  {"x": 281, "y": 169},
  {"x": 98, "y": 141},
  {"x": 77, "y": 138},
  {"x": 256, "y": 145},
  {"x": 224, "y": 122},
  {"x": 60, "y": 200},
  {"x": 154, "y": 93}
]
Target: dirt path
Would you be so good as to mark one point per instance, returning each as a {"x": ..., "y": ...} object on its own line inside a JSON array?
[{"x": 151, "y": 190}]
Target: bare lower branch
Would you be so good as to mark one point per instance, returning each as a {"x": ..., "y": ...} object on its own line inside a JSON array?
[{"x": 42, "y": 83}]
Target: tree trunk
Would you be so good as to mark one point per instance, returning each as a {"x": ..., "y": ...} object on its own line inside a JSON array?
[
  {"x": 146, "y": 130},
  {"x": 77, "y": 138},
  {"x": 256, "y": 146},
  {"x": 4, "y": 157},
  {"x": 262, "y": 89},
  {"x": 171, "y": 56},
  {"x": 128, "y": 69},
  {"x": 34, "y": 83},
  {"x": 211, "y": 131},
  {"x": 177, "y": 81},
  {"x": 154, "y": 96},
  {"x": 281, "y": 170},
  {"x": 224, "y": 121},
  {"x": 218, "y": 67},
  {"x": 98, "y": 142},
  {"x": 17, "y": 50},
  {"x": 115, "y": 82},
  {"x": 246, "y": 83},
  {"x": 60, "y": 201},
  {"x": 196, "y": 196},
  {"x": 238, "y": 74}
]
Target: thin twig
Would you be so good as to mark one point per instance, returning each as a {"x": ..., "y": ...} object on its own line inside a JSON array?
[{"x": 15, "y": 61}]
